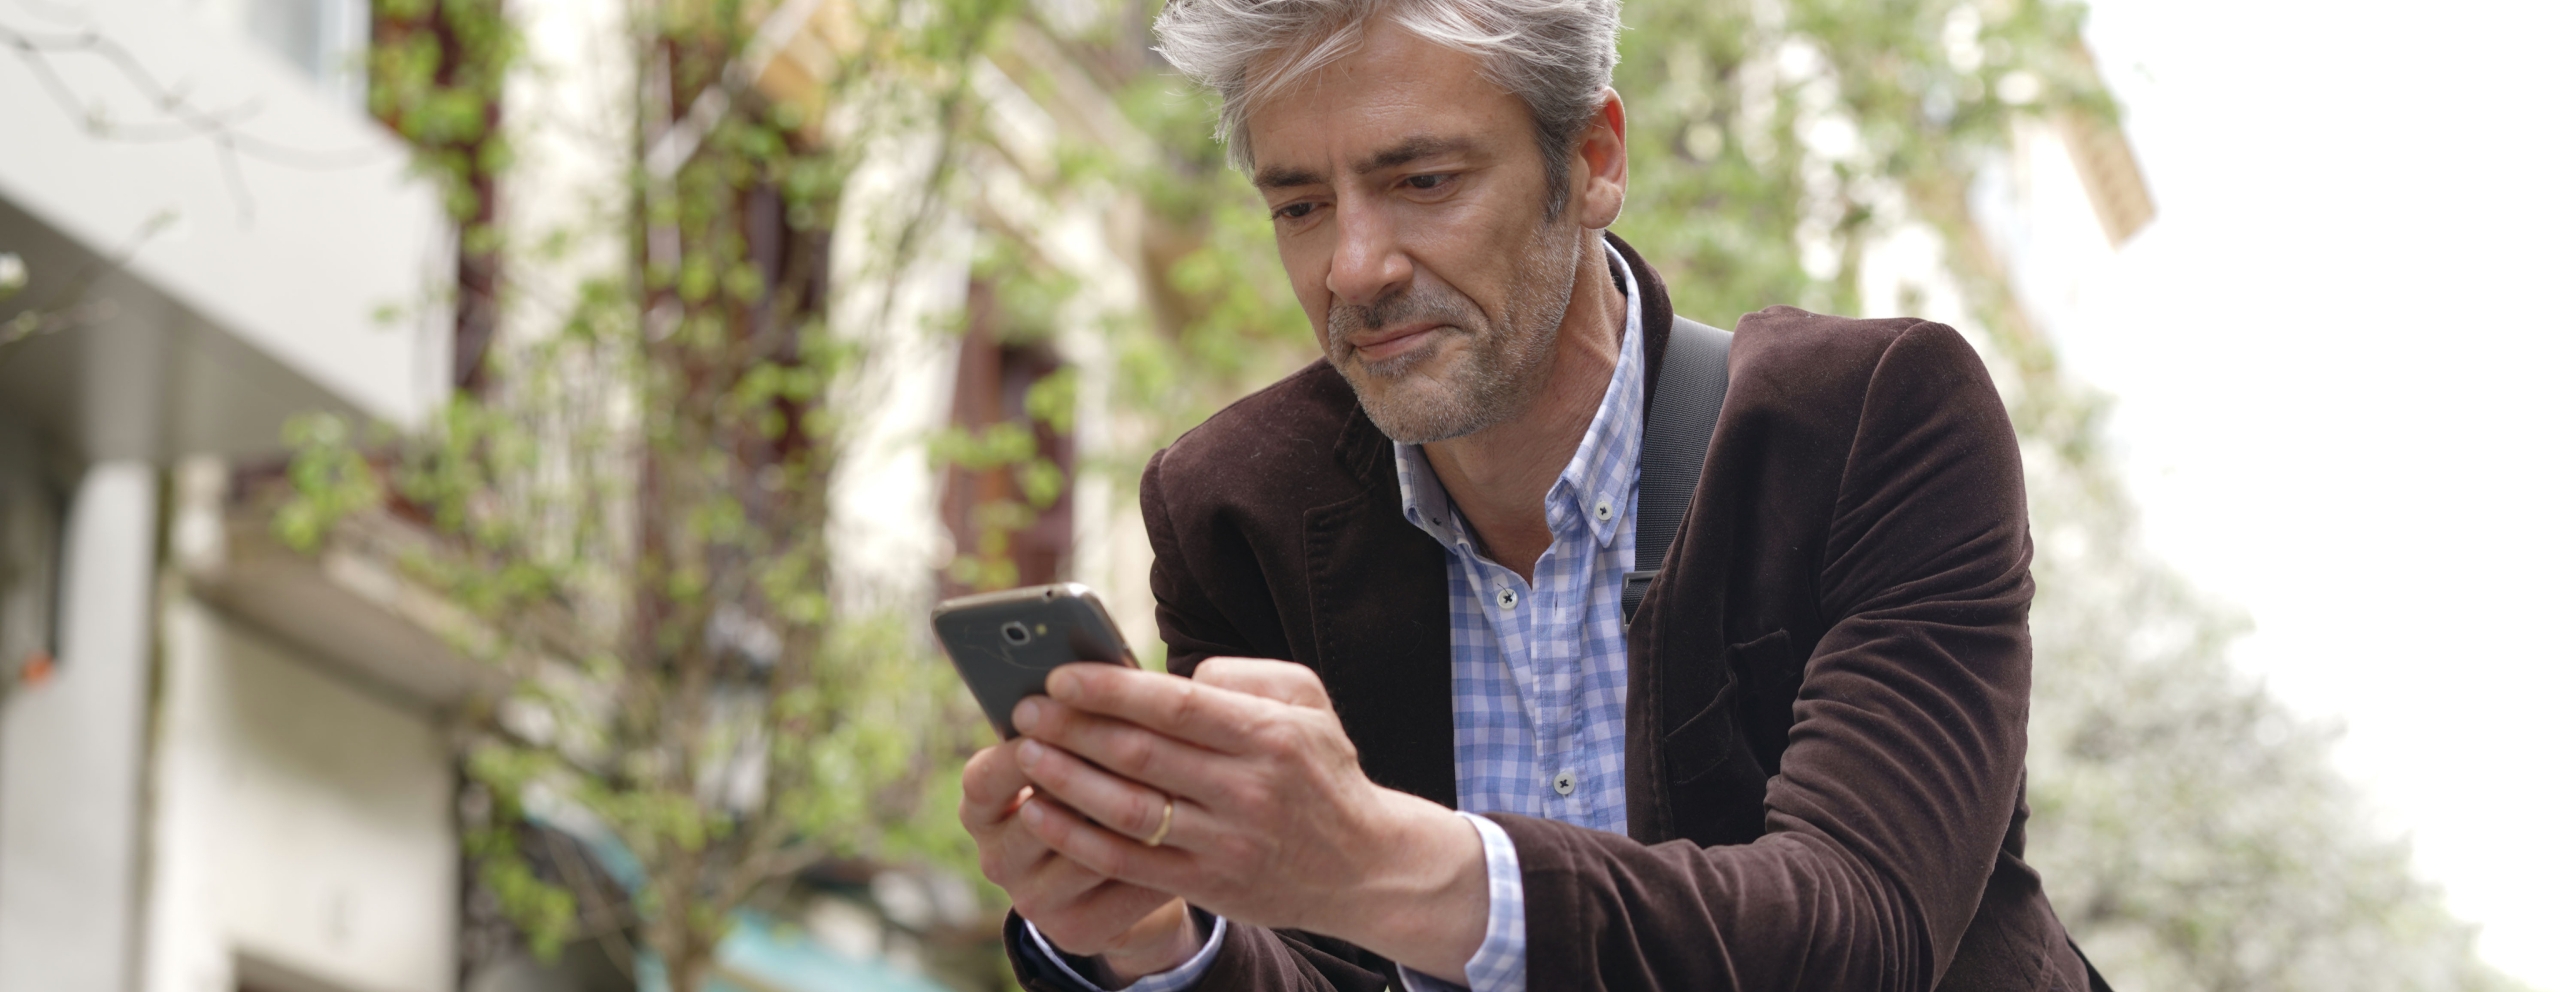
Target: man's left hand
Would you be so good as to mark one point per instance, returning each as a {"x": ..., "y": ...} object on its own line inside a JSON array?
[{"x": 1271, "y": 821}]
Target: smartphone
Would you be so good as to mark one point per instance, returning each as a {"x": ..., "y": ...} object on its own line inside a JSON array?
[{"x": 1005, "y": 643}]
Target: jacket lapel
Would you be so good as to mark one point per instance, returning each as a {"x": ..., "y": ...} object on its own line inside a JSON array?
[{"x": 1380, "y": 591}]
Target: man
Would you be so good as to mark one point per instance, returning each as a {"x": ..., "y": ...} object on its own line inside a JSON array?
[{"x": 1799, "y": 767}]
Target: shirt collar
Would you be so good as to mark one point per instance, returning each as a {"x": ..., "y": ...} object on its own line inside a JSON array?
[{"x": 1597, "y": 484}]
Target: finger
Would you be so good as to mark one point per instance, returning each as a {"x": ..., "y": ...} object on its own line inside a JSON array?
[
  {"x": 1114, "y": 802},
  {"x": 1103, "y": 918},
  {"x": 1052, "y": 886},
  {"x": 1014, "y": 855},
  {"x": 1217, "y": 719},
  {"x": 1285, "y": 681},
  {"x": 1125, "y": 749},
  {"x": 1109, "y": 854},
  {"x": 991, "y": 785}
]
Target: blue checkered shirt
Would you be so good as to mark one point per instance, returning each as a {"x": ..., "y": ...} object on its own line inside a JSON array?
[{"x": 1537, "y": 671}]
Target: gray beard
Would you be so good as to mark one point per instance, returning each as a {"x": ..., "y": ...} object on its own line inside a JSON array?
[{"x": 1493, "y": 382}]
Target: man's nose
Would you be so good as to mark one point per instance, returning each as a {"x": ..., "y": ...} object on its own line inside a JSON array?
[{"x": 1369, "y": 264}]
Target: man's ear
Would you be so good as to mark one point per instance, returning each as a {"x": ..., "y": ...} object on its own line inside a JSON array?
[{"x": 1602, "y": 156}]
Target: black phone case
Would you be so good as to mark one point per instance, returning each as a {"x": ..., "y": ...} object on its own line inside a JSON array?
[{"x": 1005, "y": 643}]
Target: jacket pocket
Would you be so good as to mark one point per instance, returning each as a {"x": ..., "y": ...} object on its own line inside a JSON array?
[
  {"x": 1767, "y": 666},
  {"x": 1705, "y": 739}
]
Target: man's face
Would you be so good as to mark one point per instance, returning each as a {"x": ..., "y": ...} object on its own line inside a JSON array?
[{"x": 1409, "y": 199}]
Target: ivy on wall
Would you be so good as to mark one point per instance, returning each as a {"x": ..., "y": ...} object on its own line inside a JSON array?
[{"x": 436, "y": 75}]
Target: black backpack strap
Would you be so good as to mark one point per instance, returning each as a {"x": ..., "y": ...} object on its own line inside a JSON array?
[{"x": 1687, "y": 395}]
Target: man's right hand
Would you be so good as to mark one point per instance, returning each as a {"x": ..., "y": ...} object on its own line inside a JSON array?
[{"x": 1131, "y": 931}]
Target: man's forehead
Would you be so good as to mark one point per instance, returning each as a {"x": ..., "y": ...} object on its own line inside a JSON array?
[{"x": 1279, "y": 175}]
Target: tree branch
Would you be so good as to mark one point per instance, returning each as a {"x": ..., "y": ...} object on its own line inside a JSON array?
[
  {"x": 185, "y": 120},
  {"x": 68, "y": 308}
]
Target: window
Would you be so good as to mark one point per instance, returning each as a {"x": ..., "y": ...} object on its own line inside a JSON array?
[
  {"x": 1003, "y": 533},
  {"x": 326, "y": 39},
  {"x": 30, "y": 561}
]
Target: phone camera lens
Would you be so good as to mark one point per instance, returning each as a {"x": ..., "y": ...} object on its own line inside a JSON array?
[{"x": 1015, "y": 633}]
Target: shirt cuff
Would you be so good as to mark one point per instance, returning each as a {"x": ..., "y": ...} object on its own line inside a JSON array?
[
  {"x": 1163, "y": 981},
  {"x": 1501, "y": 963}
]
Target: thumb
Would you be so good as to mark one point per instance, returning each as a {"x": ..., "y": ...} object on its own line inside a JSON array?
[{"x": 1284, "y": 681}]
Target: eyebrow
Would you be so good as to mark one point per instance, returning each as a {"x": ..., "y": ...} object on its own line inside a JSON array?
[
  {"x": 1424, "y": 146},
  {"x": 1276, "y": 177}
]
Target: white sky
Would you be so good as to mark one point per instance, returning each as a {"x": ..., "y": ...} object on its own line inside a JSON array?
[{"x": 2335, "y": 355}]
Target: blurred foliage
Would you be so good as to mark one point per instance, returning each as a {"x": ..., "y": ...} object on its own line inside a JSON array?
[
  {"x": 436, "y": 74},
  {"x": 658, "y": 583},
  {"x": 629, "y": 511},
  {"x": 2190, "y": 830}
]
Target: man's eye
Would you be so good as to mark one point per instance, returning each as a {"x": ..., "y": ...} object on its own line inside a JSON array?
[
  {"x": 1428, "y": 181},
  {"x": 1295, "y": 211}
]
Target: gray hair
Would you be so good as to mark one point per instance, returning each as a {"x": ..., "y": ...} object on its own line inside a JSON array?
[{"x": 1555, "y": 55}]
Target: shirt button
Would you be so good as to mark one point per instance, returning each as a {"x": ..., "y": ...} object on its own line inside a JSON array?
[
  {"x": 1507, "y": 597},
  {"x": 1606, "y": 511},
  {"x": 1564, "y": 783}
]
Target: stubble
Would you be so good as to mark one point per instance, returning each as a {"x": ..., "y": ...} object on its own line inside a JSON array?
[{"x": 1413, "y": 398}]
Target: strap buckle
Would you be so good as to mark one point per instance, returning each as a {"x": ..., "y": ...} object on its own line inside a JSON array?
[{"x": 1631, "y": 592}]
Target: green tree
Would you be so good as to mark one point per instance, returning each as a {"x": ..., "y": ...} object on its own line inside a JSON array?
[{"x": 627, "y": 498}]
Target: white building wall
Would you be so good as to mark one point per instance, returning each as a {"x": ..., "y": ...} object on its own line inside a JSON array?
[
  {"x": 292, "y": 244},
  {"x": 303, "y": 833},
  {"x": 884, "y": 509},
  {"x": 568, "y": 119},
  {"x": 70, "y": 754},
  {"x": 2039, "y": 216},
  {"x": 2037, "y": 210}
]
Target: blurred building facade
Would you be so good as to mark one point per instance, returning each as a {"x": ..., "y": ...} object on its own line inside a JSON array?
[
  {"x": 193, "y": 797},
  {"x": 227, "y": 765}
]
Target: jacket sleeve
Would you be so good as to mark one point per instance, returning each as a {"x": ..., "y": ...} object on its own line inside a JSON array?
[
  {"x": 1255, "y": 958},
  {"x": 1902, "y": 764}
]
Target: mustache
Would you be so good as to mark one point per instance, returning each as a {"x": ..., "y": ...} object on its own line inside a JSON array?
[{"x": 1346, "y": 319}]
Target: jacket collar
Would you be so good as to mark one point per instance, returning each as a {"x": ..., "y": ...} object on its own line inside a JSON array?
[{"x": 1657, "y": 313}]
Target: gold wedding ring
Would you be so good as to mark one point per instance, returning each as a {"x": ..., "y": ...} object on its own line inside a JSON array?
[{"x": 1164, "y": 827}]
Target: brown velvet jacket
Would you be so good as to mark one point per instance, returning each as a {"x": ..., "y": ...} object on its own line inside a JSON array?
[{"x": 1827, "y": 687}]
